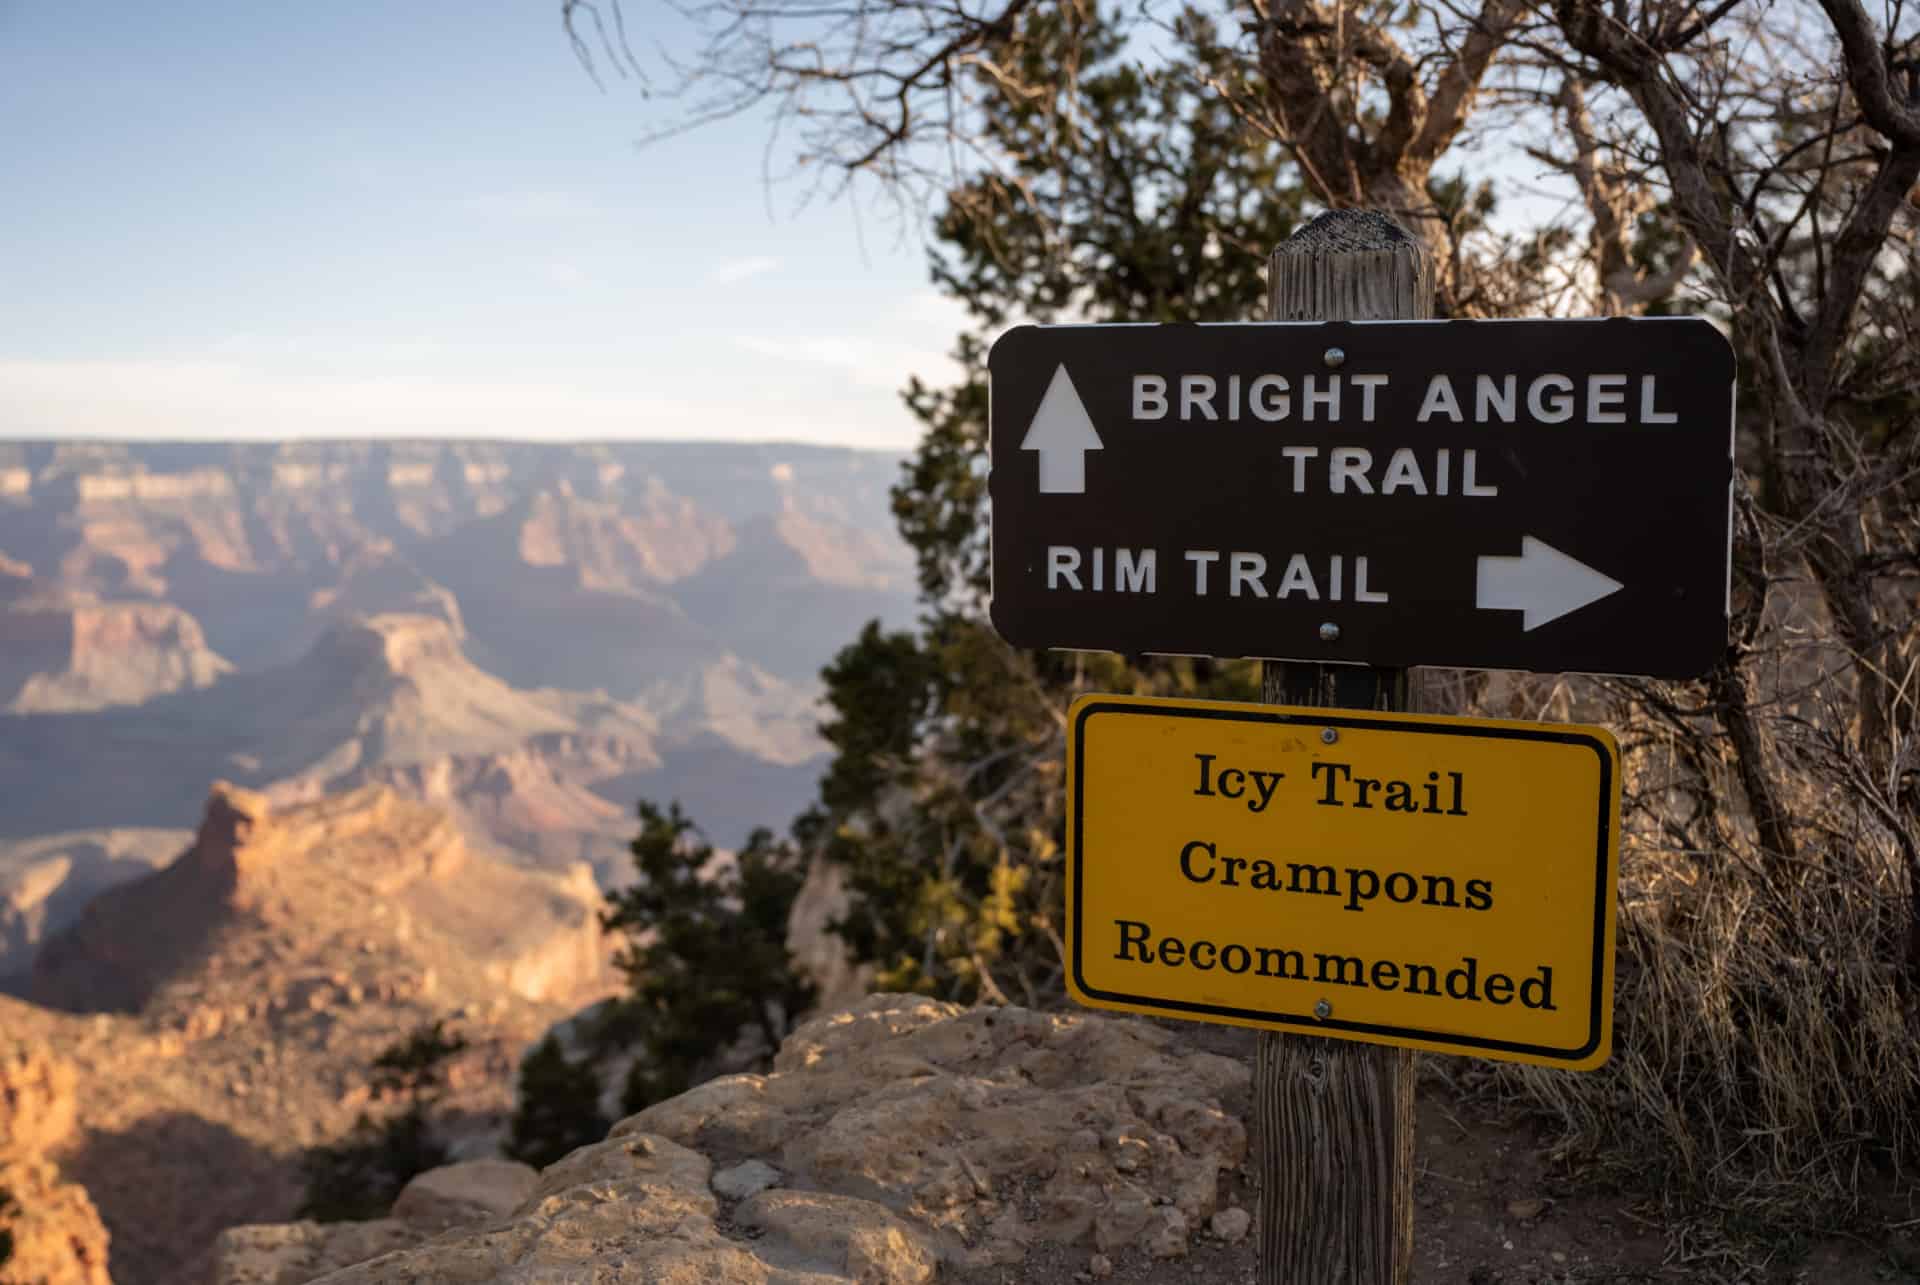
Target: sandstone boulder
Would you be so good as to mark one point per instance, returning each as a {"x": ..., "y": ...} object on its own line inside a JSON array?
[
  {"x": 470, "y": 1192},
  {"x": 748, "y": 1178},
  {"x": 904, "y": 1135},
  {"x": 452, "y": 1196},
  {"x": 294, "y": 1253}
]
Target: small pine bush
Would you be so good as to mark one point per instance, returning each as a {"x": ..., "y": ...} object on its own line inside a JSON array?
[
  {"x": 360, "y": 1176},
  {"x": 706, "y": 957},
  {"x": 559, "y": 1107}
]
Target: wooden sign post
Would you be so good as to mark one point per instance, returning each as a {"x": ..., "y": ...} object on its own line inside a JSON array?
[
  {"x": 1311, "y": 487},
  {"x": 1333, "y": 1120}
]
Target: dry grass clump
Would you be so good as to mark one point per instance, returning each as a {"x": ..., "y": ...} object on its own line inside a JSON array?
[
  {"x": 1765, "y": 1079},
  {"x": 1764, "y": 1063}
]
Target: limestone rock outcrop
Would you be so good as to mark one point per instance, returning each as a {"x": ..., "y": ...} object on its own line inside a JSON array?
[
  {"x": 50, "y": 1231},
  {"x": 456, "y": 1195},
  {"x": 893, "y": 1140},
  {"x": 36, "y": 1100},
  {"x": 452, "y": 1196}
]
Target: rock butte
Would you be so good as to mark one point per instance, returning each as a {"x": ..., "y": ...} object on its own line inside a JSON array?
[{"x": 538, "y": 933}]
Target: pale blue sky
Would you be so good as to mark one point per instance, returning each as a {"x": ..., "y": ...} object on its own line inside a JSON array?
[{"x": 366, "y": 217}]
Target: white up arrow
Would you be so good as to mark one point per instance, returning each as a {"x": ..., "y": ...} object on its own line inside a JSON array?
[
  {"x": 1542, "y": 582},
  {"x": 1063, "y": 434}
]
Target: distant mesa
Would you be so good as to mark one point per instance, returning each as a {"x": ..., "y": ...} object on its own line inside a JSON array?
[
  {"x": 374, "y": 581},
  {"x": 662, "y": 539},
  {"x": 67, "y": 657},
  {"x": 395, "y": 699}
]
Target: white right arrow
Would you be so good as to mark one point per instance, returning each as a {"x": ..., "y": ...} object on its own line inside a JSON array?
[
  {"x": 1063, "y": 434},
  {"x": 1543, "y": 583}
]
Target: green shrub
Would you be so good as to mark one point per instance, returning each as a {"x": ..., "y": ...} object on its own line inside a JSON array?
[
  {"x": 706, "y": 955},
  {"x": 360, "y": 1176},
  {"x": 559, "y": 1106}
]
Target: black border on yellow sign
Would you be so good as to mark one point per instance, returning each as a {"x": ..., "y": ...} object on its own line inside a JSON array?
[{"x": 1306, "y": 1023}]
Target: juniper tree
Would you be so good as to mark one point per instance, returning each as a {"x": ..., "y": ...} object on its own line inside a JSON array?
[
  {"x": 559, "y": 1106},
  {"x": 705, "y": 954},
  {"x": 1129, "y": 197},
  {"x": 360, "y": 1176},
  {"x": 1756, "y": 163}
]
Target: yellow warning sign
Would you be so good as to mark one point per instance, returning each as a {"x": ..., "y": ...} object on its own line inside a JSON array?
[{"x": 1443, "y": 883}]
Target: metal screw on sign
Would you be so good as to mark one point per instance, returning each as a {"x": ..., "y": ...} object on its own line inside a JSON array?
[
  {"x": 1329, "y": 735},
  {"x": 1323, "y": 1010},
  {"x": 1336, "y": 358},
  {"x": 1329, "y": 632}
]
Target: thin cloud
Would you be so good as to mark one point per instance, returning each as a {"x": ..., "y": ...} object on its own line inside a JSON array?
[
  {"x": 533, "y": 206},
  {"x": 224, "y": 399},
  {"x": 915, "y": 340},
  {"x": 251, "y": 347},
  {"x": 869, "y": 363},
  {"x": 736, "y": 270},
  {"x": 931, "y": 308}
]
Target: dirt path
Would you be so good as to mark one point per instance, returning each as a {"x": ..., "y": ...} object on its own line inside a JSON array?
[{"x": 1492, "y": 1206}]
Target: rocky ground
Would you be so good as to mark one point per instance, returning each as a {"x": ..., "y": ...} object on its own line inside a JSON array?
[{"x": 903, "y": 1141}]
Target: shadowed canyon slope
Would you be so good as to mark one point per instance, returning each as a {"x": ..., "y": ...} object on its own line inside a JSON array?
[{"x": 530, "y": 636}]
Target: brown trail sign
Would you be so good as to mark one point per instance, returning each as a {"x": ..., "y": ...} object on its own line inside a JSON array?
[{"x": 1535, "y": 494}]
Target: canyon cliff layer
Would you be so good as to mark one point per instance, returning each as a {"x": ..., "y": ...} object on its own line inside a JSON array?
[{"x": 530, "y": 636}]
